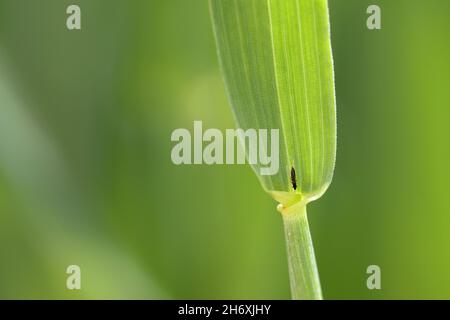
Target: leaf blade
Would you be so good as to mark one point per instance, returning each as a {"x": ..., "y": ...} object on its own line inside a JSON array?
[{"x": 276, "y": 59}]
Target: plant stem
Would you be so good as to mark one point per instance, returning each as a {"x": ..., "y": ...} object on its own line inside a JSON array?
[{"x": 303, "y": 274}]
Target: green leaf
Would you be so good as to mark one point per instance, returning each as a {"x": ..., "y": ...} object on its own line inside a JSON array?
[{"x": 276, "y": 60}]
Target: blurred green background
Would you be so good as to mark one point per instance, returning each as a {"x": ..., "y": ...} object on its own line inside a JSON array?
[{"x": 86, "y": 176}]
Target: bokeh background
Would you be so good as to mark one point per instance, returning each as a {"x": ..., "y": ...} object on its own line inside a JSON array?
[{"x": 86, "y": 176}]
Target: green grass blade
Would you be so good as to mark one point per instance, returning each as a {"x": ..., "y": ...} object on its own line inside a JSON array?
[
  {"x": 276, "y": 59},
  {"x": 277, "y": 63}
]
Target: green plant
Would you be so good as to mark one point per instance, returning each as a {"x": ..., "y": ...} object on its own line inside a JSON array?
[{"x": 276, "y": 60}]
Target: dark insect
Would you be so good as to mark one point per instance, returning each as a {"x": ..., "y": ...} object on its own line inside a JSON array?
[{"x": 293, "y": 179}]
